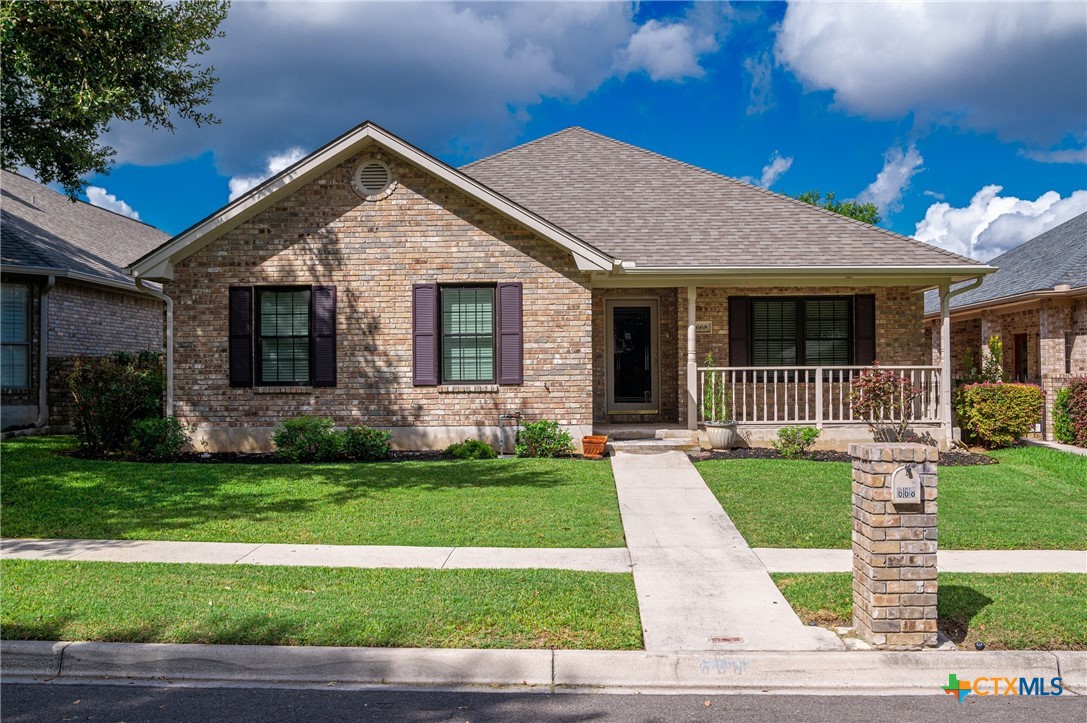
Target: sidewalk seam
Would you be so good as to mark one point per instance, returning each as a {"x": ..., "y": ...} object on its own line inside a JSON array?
[{"x": 447, "y": 558}]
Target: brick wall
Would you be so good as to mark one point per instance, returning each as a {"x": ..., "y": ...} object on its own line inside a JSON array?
[
  {"x": 423, "y": 231},
  {"x": 668, "y": 330},
  {"x": 93, "y": 321}
]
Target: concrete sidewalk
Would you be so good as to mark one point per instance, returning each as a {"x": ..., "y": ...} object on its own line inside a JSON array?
[
  {"x": 837, "y": 673},
  {"x": 797, "y": 560},
  {"x": 229, "y": 553},
  {"x": 700, "y": 587}
]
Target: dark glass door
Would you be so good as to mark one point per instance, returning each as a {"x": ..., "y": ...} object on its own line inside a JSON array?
[
  {"x": 1021, "y": 369},
  {"x": 632, "y": 379}
]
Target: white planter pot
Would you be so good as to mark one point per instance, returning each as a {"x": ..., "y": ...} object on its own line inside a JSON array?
[{"x": 722, "y": 434}]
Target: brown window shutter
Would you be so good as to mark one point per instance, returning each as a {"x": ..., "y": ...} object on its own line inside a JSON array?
[
  {"x": 739, "y": 331},
  {"x": 241, "y": 336},
  {"x": 864, "y": 329},
  {"x": 323, "y": 335},
  {"x": 424, "y": 334},
  {"x": 510, "y": 334}
]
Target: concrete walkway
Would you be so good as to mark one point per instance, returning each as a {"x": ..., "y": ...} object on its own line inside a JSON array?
[
  {"x": 1071, "y": 449},
  {"x": 700, "y": 587},
  {"x": 794, "y": 560},
  {"x": 228, "y": 553}
]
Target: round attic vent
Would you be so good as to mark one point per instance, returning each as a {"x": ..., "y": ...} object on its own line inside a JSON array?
[{"x": 373, "y": 180}]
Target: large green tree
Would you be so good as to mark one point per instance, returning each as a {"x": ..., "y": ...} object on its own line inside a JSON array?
[
  {"x": 71, "y": 68},
  {"x": 866, "y": 212}
]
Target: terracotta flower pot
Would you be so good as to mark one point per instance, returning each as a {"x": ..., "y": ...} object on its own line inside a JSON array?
[{"x": 593, "y": 446}]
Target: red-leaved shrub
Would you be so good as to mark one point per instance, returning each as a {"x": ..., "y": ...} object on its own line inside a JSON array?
[{"x": 1074, "y": 407}]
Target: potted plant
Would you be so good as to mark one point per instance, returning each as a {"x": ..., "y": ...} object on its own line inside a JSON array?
[{"x": 717, "y": 410}]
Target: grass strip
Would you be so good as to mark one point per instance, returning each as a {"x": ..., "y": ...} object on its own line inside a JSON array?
[
  {"x": 1013, "y": 611},
  {"x": 251, "y": 605},
  {"x": 1036, "y": 498},
  {"x": 488, "y": 503}
]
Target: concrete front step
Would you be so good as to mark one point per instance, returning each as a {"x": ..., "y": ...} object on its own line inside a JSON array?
[{"x": 654, "y": 446}]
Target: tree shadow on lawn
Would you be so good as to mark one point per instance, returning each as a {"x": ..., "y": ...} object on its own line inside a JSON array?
[
  {"x": 958, "y": 606},
  {"x": 47, "y": 494}
]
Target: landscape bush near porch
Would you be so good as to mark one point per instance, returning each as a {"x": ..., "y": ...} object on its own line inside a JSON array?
[
  {"x": 998, "y": 415},
  {"x": 1070, "y": 413}
]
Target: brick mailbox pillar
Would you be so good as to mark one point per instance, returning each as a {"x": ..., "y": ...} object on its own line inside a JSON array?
[{"x": 894, "y": 544}]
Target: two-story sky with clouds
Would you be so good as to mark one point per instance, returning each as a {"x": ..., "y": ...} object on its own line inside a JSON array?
[{"x": 965, "y": 123}]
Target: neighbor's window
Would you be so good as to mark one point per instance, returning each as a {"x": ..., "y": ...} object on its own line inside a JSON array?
[
  {"x": 283, "y": 339},
  {"x": 813, "y": 331},
  {"x": 467, "y": 324},
  {"x": 15, "y": 359}
]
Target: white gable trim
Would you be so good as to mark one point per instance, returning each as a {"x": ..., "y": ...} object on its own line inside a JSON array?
[{"x": 159, "y": 264}]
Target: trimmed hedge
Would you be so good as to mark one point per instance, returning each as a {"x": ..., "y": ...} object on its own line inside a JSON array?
[
  {"x": 313, "y": 439},
  {"x": 1070, "y": 412},
  {"x": 998, "y": 415}
]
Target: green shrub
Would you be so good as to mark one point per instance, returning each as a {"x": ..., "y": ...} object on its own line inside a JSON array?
[
  {"x": 1070, "y": 416},
  {"x": 795, "y": 442},
  {"x": 716, "y": 395},
  {"x": 997, "y": 415},
  {"x": 308, "y": 439},
  {"x": 157, "y": 439},
  {"x": 365, "y": 444},
  {"x": 471, "y": 449},
  {"x": 543, "y": 439},
  {"x": 1063, "y": 429},
  {"x": 110, "y": 394}
]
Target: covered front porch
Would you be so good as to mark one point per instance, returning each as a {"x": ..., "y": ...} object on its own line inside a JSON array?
[{"x": 650, "y": 371}]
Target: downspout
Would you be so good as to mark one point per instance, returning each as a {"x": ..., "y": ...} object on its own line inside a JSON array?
[
  {"x": 43, "y": 354},
  {"x": 169, "y": 341},
  {"x": 946, "y": 295}
]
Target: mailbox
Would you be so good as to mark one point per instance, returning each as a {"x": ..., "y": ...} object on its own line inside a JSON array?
[{"x": 906, "y": 485}]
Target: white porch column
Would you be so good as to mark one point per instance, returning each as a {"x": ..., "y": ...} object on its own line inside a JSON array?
[
  {"x": 945, "y": 363},
  {"x": 692, "y": 360}
]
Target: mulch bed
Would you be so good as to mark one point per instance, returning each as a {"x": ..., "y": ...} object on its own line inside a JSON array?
[
  {"x": 273, "y": 458},
  {"x": 947, "y": 459}
]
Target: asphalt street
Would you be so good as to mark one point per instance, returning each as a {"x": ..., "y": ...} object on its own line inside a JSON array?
[{"x": 132, "y": 703}]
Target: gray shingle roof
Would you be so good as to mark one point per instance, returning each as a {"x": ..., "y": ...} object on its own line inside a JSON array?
[
  {"x": 42, "y": 228},
  {"x": 656, "y": 211},
  {"x": 1058, "y": 256}
]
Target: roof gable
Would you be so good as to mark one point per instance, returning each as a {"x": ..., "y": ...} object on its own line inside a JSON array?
[
  {"x": 158, "y": 264},
  {"x": 45, "y": 232},
  {"x": 662, "y": 213}
]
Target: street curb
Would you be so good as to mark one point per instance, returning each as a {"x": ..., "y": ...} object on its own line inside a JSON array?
[{"x": 858, "y": 672}]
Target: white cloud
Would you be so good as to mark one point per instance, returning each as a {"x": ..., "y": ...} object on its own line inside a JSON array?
[
  {"x": 992, "y": 224},
  {"x": 104, "y": 199},
  {"x": 934, "y": 194},
  {"x": 1019, "y": 69},
  {"x": 760, "y": 97},
  {"x": 1067, "y": 155},
  {"x": 771, "y": 172},
  {"x": 447, "y": 77},
  {"x": 667, "y": 51},
  {"x": 898, "y": 168},
  {"x": 275, "y": 163}
]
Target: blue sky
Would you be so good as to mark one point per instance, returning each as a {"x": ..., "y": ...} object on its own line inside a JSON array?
[{"x": 965, "y": 122}]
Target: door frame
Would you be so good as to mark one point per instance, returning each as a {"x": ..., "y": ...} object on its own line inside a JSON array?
[{"x": 654, "y": 405}]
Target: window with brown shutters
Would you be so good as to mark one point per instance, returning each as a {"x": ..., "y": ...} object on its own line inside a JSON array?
[
  {"x": 284, "y": 335},
  {"x": 465, "y": 334}
]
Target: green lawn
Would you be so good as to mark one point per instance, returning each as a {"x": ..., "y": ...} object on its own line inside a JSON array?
[
  {"x": 250, "y": 605},
  {"x": 1036, "y": 498},
  {"x": 491, "y": 503},
  {"x": 1006, "y": 612}
]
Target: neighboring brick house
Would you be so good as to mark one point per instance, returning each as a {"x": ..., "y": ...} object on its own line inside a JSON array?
[
  {"x": 574, "y": 278},
  {"x": 1036, "y": 303},
  {"x": 63, "y": 283}
]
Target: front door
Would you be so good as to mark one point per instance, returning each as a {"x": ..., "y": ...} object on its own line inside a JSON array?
[
  {"x": 632, "y": 354},
  {"x": 1021, "y": 369}
]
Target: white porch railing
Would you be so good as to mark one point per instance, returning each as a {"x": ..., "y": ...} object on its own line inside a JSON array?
[{"x": 810, "y": 395}]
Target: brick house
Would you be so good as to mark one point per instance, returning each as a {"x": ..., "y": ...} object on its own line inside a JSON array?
[
  {"x": 64, "y": 293},
  {"x": 1036, "y": 303},
  {"x": 574, "y": 278}
]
